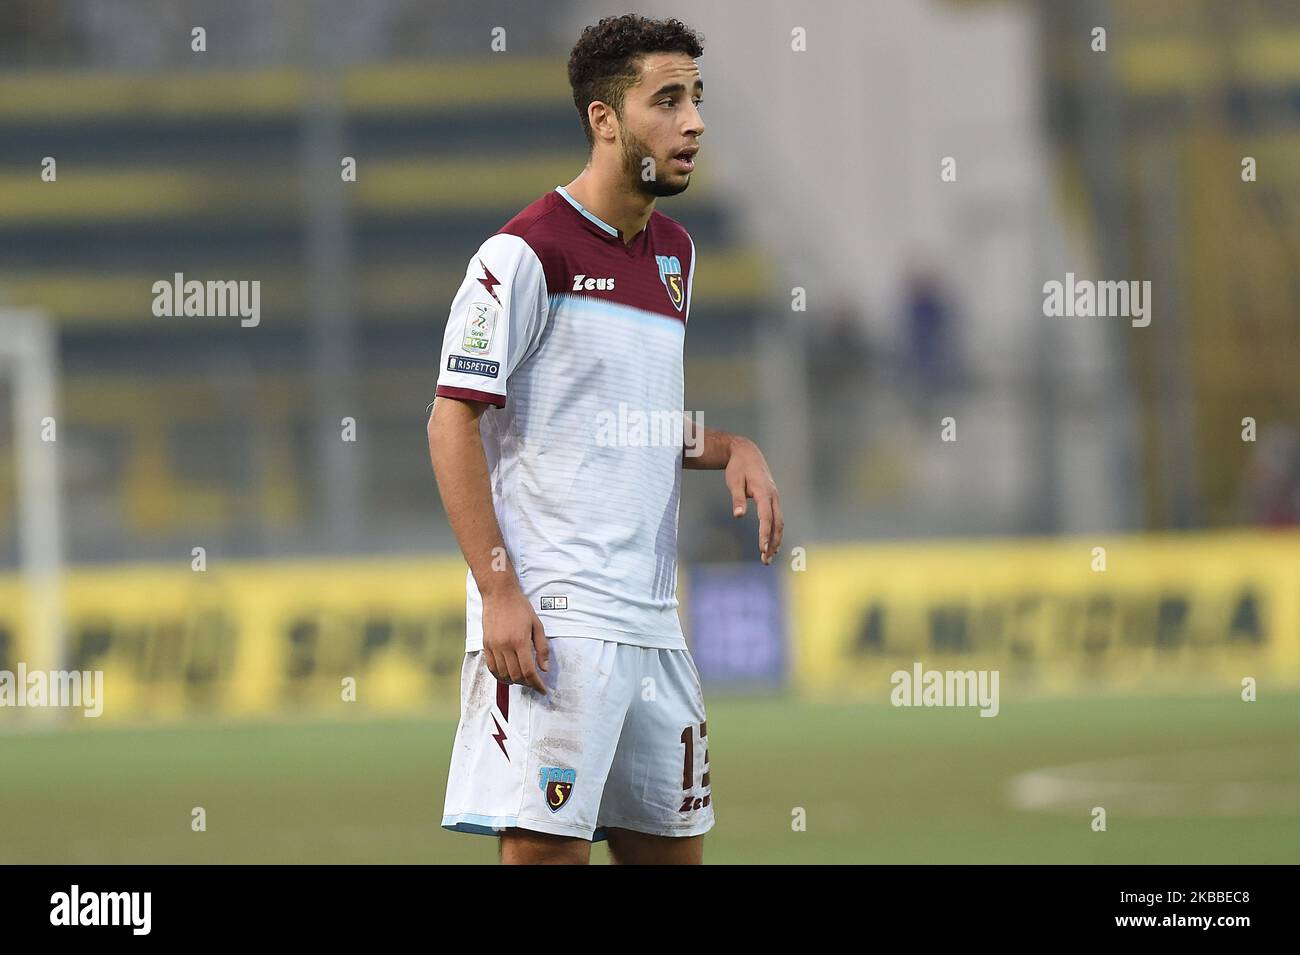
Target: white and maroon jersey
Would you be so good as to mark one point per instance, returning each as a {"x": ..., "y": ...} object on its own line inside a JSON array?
[{"x": 576, "y": 340}]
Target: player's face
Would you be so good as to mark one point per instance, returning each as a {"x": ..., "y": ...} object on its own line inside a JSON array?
[{"x": 661, "y": 122}]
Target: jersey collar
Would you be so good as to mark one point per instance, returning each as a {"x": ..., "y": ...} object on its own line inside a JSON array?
[{"x": 604, "y": 226}]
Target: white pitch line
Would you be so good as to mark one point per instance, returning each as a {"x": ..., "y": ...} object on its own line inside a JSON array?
[{"x": 1175, "y": 784}]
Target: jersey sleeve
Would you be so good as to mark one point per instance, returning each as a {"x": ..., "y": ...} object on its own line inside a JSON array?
[{"x": 495, "y": 322}]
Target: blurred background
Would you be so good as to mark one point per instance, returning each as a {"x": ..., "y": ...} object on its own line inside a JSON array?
[{"x": 231, "y": 522}]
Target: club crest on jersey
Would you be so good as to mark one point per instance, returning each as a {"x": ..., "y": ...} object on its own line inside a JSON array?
[
  {"x": 557, "y": 783},
  {"x": 670, "y": 273},
  {"x": 479, "y": 322}
]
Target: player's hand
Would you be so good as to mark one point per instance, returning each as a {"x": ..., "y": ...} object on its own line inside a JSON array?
[
  {"x": 511, "y": 632},
  {"x": 748, "y": 476}
]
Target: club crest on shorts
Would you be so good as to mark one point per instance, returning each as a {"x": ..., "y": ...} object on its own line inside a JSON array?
[
  {"x": 670, "y": 273},
  {"x": 557, "y": 784}
]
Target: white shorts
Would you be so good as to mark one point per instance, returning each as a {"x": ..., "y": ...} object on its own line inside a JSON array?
[{"x": 618, "y": 740}]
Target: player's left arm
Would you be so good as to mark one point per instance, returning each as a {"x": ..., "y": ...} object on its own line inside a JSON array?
[{"x": 747, "y": 475}]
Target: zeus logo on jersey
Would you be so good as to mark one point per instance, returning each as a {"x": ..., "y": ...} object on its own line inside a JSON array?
[
  {"x": 557, "y": 783},
  {"x": 473, "y": 366},
  {"x": 587, "y": 283},
  {"x": 670, "y": 273}
]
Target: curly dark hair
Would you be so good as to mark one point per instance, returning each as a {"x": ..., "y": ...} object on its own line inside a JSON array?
[{"x": 603, "y": 64}]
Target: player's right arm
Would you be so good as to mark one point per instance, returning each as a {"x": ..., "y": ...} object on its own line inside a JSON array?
[
  {"x": 496, "y": 321},
  {"x": 511, "y": 630}
]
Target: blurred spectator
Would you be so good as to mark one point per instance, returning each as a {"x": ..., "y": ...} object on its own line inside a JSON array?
[
  {"x": 841, "y": 362},
  {"x": 932, "y": 355},
  {"x": 839, "y": 355}
]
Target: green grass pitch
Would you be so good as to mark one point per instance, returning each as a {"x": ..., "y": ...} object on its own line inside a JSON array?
[{"x": 1199, "y": 780}]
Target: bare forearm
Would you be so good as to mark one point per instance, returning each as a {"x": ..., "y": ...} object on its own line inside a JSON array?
[
  {"x": 515, "y": 649},
  {"x": 707, "y": 449},
  {"x": 456, "y": 451},
  {"x": 748, "y": 476}
]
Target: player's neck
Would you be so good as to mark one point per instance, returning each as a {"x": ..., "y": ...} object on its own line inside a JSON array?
[{"x": 606, "y": 198}]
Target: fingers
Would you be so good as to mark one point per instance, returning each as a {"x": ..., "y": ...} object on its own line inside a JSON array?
[
  {"x": 494, "y": 666},
  {"x": 526, "y": 648},
  {"x": 529, "y": 674},
  {"x": 514, "y": 665},
  {"x": 543, "y": 647},
  {"x": 763, "y": 503},
  {"x": 519, "y": 658},
  {"x": 778, "y": 522},
  {"x": 739, "y": 503},
  {"x": 771, "y": 523},
  {"x": 511, "y": 658}
]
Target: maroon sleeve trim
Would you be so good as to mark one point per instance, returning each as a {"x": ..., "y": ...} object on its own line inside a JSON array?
[{"x": 469, "y": 394}]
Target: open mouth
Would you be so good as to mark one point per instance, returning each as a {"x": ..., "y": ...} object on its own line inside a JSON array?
[{"x": 686, "y": 158}]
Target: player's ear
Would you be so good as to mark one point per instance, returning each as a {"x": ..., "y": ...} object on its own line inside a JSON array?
[{"x": 603, "y": 120}]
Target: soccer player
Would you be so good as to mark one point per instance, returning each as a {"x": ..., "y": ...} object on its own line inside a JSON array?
[{"x": 581, "y": 711}]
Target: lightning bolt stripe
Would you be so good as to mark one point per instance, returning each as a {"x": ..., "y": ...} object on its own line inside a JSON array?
[
  {"x": 503, "y": 704},
  {"x": 500, "y": 737},
  {"x": 489, "y": 281}
]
